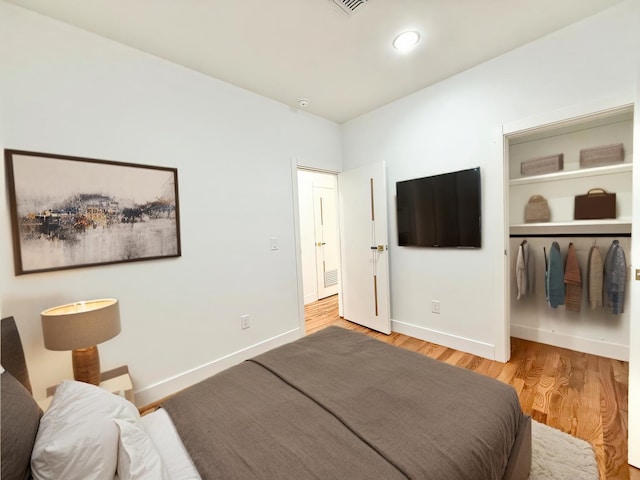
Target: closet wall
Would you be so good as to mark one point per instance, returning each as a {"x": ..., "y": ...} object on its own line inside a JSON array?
[{"x": 593, "y": 330}]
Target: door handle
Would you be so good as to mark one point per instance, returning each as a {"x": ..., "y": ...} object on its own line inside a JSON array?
[
  {"x": 319, "y": 244},
  {"x": 379, "y": 248}
]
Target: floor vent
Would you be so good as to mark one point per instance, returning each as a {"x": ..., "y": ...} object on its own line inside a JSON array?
[{"x": 349, "y": 6}]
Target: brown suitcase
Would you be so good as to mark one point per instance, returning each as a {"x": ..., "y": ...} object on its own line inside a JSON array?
[{"x": 596, "y": 204}]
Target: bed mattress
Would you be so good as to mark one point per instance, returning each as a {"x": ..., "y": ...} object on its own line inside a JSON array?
[{"x": 339, "y": 404}]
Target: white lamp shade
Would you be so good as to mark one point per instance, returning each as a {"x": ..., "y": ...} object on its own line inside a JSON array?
[{"x": 80, "y": 324}]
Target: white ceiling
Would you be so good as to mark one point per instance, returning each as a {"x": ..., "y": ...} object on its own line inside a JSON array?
[{"x": 292, "y": 49}]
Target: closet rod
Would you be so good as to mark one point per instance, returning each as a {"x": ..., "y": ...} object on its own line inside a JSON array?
[{"x": 588, "y": 235}]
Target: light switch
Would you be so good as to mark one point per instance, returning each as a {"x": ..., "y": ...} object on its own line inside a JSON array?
[{"x": 274, "y": 243}]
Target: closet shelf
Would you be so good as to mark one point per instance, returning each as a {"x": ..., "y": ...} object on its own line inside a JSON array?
[
  {"x": 568, "y": 174},
  {"x": 582, "y": 227}
]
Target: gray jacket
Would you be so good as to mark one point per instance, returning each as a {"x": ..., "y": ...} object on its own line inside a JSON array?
[{"x": 615, "y": 277}]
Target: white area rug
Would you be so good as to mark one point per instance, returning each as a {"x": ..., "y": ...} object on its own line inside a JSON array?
[{"x": 559, "y": 456}]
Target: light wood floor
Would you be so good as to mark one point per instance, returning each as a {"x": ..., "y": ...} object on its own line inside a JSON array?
[{"x": 581, "y": 394}]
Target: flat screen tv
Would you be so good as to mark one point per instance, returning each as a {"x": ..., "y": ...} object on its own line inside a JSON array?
[{"x": 440, "y": 211}]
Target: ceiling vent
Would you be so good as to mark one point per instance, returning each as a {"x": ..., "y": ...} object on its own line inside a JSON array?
[{"x": 349, "y": 6}]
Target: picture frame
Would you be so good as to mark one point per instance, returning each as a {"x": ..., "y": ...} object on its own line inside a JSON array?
[{"x": 71, "y": 212}]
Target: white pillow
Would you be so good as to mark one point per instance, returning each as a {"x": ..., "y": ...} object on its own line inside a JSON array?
[
  {"x": 77, "y": 438},
  {"x": 138, "y": 459},
  {"x": 165, "y": 438}
]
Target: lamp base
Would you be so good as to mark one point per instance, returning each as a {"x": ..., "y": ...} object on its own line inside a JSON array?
[{"x": 86, "y": 365}]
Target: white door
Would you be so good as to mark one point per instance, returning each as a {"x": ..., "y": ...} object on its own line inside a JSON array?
[
  {"x": 326, "y": 240},
  {"x": 365, "y": 263},
  {"x": 634, "y": 310}
]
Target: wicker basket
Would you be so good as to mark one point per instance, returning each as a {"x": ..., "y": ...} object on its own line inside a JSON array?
[
  {"x": 604, "y": 155},
  {"x": 537, "y": 210},
  {"x": 538, "y": 166}
]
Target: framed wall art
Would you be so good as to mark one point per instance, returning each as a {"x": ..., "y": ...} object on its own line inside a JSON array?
[{"x": 71, "y": 212}]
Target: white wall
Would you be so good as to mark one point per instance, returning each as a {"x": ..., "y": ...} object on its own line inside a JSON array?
[
  {"x": 69, "y": 92},
  {"x": 457, "y": 124}
]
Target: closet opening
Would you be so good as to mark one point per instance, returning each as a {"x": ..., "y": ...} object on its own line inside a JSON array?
[{"x": 567, "y": 275}]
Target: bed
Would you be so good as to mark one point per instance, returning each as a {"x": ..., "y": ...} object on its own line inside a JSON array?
[{"x": 335, "y": 404}]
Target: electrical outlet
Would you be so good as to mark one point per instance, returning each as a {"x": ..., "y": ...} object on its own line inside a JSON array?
[
  {"x": 245, "y": 322},
  {"x": 435, "y": 306}
]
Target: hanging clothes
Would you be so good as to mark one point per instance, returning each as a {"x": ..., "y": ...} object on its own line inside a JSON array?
[
  {"x": 530, "y": 263},
  {"x": 555, "y": 277},
  {"x": 572, "y": 281},
  {"x": 522, "y": 270},
  {"x": 520, "y": 275},
  {"x": 615, "y": 276},
  {"x": 594, "y": 276},
  {"x": 546, "y": 274},
  {"x": 525, "y": 268}
]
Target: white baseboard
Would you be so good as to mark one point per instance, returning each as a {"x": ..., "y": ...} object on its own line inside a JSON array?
[
  {"x": 171, "y": 385},
  {"x": 468, "y": 345},
  {"x": 579, "y": 344},
  {"x": 312, "y": 297}
]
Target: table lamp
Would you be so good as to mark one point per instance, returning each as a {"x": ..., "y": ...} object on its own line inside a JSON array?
[{"x": 80, "y": 327}]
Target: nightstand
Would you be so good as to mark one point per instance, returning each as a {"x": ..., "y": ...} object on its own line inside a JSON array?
[{"x": 116, "y": 381}]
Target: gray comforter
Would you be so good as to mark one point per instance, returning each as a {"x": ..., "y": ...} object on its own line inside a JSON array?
[{"x": 341, "y": 405}]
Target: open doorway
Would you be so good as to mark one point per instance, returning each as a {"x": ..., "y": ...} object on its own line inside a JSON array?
[{"x": 319, "y": 235}]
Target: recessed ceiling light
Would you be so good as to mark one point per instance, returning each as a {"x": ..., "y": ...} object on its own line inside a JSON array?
[
  {"x": 303, "y": 102},
  {"x": 406, "y": 41}
]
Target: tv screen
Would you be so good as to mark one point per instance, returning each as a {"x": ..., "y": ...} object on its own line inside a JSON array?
[{"x": 440, "y": 211}]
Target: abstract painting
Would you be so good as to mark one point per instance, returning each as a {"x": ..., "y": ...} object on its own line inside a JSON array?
[{"x": 70, "y": 212}]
